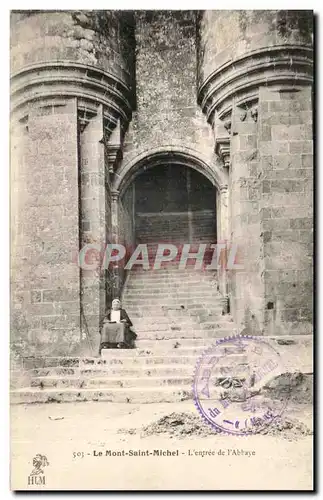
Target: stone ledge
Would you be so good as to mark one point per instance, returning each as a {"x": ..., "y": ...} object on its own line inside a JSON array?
[
  {"x": 51, "y": 82},
  {"x": 283, "y": 65}
]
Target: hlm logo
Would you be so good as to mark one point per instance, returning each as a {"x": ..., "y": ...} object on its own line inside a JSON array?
[{"x": 37, "y": 477}]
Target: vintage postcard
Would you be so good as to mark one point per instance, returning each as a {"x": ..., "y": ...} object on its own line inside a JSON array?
[{"x": 161, "y": 250}]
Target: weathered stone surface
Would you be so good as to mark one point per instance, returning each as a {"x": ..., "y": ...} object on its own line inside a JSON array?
[
  {"x": 144, "y": 375},
  {"x": 238, "y": 50},
  {"x": 74, "y": 36},
  {"x": 286, "y": 248},
  {"x": 114, "y": 93}
]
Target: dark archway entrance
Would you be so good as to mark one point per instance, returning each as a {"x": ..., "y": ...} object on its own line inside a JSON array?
[{"x": 174, "y": 204}]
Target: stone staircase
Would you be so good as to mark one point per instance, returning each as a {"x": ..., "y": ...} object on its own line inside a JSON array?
[
  {"x": 177, "y": 314},
  {"x": 173, "y": 304},
  {"x": 156, "y": 371}
]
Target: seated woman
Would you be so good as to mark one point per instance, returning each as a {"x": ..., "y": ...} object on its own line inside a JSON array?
[{"x": 116, "y": 330}]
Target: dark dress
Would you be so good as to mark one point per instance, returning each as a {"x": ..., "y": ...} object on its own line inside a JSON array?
[{"x": 129, "y": 334}]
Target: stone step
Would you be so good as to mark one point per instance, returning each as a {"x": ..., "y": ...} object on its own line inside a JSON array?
[
  {"x": 217, "y": 320},
  {"x": 174, "y": 273},
  {"x": 178, "y": 280},
  {"x": 110, "y": 359},
  {"x": 181, "y": 307},
  {"x": 171, "y": 316},
  {"x": 180, "y": 285},
  {"x": 158, "y": 371},
  {"x": 205, "y": 301},
  {"x": 165, "y": 329},
  {"x": 172, "y": 285},
  {"x": 174, "y": 270},
  {"x": 115, "y": 395},
  {"x": 175, "y": 285},
  {"x": 186, "y": 334},
  {"x": 169, "y": 300},
  {"x": 174, "y": 288},
  {"x": 187, "y": 305},
  {"x": 174, "y": 276},
  {"x": 166, "y": 345},
  {"x": 172, "y": 295},
  {"x": 188, "y": 269},
  {"x": 163, "y": 370},
  {"x": 182, "y": 332},
  {"x": 163, "y": 311},
  {"x": 184, "y": 306},
  {"x": 161, "y": 320},
  {"x": 109, "y": 381},
  {"x": 169, "y": 297},
  {"x": 170, "y": 356},
  {"x": 142, "y": 351},
  {"x": 200, "y": 324}
]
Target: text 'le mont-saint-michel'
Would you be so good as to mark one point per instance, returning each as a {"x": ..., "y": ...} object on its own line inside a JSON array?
[{"x": 174, "y": 453}]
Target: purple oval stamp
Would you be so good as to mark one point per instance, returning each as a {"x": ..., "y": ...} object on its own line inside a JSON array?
[{"x": 227, "y": 385}]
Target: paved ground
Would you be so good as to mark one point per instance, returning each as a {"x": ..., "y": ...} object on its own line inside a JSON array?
[{"x": 60, "y": 431}]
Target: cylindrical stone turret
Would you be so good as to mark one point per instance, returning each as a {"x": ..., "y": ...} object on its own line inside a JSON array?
[
  {"x": 239, "y": 51},
  {"x": 86, "y": 54},
  {"x": 255, "y": 71},
  {"x": 71, "y": 95}
]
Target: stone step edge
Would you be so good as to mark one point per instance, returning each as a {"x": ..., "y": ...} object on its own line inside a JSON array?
[
  {"x": 163, "y": 366},
  {"x": 166, "y": 388},
  {"x": 93, "y": 358},
  {"x": 36, "y": 390},
  {"x": 113, "y": 377}
]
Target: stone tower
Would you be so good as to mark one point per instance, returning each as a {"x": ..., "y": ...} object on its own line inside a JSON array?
[{"x": 99, "y": 97}]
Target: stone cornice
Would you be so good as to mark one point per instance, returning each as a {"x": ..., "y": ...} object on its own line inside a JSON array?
[
  {"x": 280, "y": 65},
  {"x": 113, "y": 156},
  {"x": 222, "y": 150},
  {"x": 46, "y": 82},
  {"x": 113, "y": 148}
]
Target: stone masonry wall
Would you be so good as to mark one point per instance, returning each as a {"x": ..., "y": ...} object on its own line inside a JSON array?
[
  {"x": 45, "y": 281},
  {"x": 271, "y": 184},
  {"x": 246, "y": 286},
  {"x": 167, "y": 112},
  {"x": 286, "y": 158},
  {"x": 94, "y": 227}
]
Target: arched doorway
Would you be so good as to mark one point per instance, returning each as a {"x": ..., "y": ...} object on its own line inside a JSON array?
[
  {"x": 173, "y": 198},
  {"x": 165, "y": 189}
]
